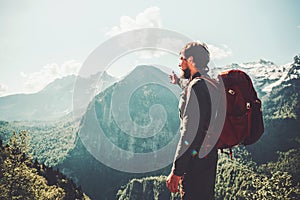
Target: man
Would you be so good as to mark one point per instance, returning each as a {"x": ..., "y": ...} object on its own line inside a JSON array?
[{"x": 195, "y": 175}]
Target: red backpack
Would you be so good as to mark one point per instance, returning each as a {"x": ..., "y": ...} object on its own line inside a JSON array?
[{"x": 243, "y": 120}]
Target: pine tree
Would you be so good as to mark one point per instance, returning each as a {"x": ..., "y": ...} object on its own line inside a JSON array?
[{"x": 18, "y": 179}]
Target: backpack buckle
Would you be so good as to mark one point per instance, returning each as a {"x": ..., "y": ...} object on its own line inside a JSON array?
[
  {"x": 248, "y": 106},
  {"x": 232, "y": 92}
]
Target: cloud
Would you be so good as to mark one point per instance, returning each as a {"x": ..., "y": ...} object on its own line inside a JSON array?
[
  {"x": 149, "y": 18},
  {"x": 219, "y": 52},
  {"x": 36, "y": 81},
  {"x": 298, "y": 26},
  {"x": 3, "y": 89}
]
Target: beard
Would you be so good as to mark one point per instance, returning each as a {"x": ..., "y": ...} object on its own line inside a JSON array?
[{"x": 186, "y": 74}]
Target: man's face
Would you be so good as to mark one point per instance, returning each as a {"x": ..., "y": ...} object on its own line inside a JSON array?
[{"x": 186, "y": 73}]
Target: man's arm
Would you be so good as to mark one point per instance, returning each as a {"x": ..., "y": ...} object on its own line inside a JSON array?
[
  {"x": 183, "y": 145},
  {"x": 188, "y": 130},
  {"x": 195, "y": 120}
]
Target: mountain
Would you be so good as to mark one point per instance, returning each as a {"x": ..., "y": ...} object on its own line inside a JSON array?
[
  {"x": 92, "y": 142},
  {"x": 60, "y": 143},
  {"x": 259, "y": 168},
  {"x": 282, "y": 118},
  {"x": 265, "y": 74},
  {"x": 147, "y": 104},
  {"x": 139, "y": 108},
  {"x": 52, "y": 102},
  {"x": 138, "y": 115}
]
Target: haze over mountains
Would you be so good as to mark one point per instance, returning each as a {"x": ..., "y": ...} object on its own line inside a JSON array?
[
  {"x": 52, "y": 102},
  {"x": 56, "y": 99}
]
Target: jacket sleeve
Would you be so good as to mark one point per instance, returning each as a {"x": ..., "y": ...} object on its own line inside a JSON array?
[{"x": 192, "y": 128}]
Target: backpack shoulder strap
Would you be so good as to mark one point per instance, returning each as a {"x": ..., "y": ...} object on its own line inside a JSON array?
[{"x": 211, "y": 81}]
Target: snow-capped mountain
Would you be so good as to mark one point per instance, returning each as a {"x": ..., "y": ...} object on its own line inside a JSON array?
[
  {"x": 265, "y": 74},
  {"x": 294, "y": 72},
  {"x": 57, "y": 98}
]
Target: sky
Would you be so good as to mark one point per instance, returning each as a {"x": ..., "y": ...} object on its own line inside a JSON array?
[{"x": 44, "y": 40}]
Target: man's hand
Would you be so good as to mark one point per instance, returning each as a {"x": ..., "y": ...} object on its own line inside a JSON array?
[
  {"x": 172, "y": 182},
  {"x": 174, "y": 78}
]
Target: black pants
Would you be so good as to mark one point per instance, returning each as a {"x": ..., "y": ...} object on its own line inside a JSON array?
[{"x": 199, "y": 181}]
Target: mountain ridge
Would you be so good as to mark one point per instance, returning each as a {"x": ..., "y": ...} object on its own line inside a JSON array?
[
  {"x": 281, "y": 106},
  {"x": 54, "y": 101}
]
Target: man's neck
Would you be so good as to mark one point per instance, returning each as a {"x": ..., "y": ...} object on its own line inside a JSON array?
[{"x": 194, "y": 73}]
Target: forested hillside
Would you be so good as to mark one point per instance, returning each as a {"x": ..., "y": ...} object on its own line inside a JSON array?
[
  {"x": 23, "y": 178},
  {"x": 268, "y": 169},
  {"x": 239, "y": 178},
  {"x": 50, "y": 142}
]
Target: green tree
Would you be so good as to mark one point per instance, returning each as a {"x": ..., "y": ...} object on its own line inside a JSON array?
[
  {"x": 241, "y": 178},
  {"x": 18, "y": 179}
]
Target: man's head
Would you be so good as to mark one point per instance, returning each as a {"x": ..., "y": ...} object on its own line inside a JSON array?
[{"x": 195, "y": 54}]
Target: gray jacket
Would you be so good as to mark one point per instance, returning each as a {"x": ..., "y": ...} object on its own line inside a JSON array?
[{"x": 195, "y": 113}]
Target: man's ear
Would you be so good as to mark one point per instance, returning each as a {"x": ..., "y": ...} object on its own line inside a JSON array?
[{"x": 190, "y": 59}]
